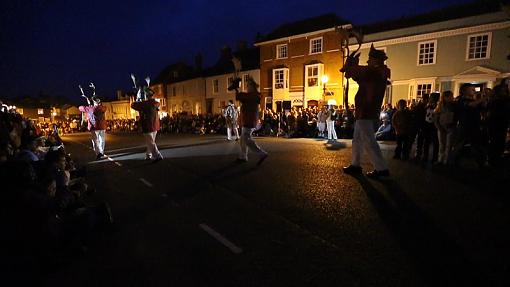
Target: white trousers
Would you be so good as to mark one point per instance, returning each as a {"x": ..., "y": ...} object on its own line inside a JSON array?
[
  {"x": 331, "y": 130},
  {"x": 98, "y": 141},
  {"x": 364, "y": 140},
  {"x": 229, "y": 133},
  {"x": 152, "y": 148},
  {"x": 321, "y": 127},
  {"x": 248, "y": 142}
]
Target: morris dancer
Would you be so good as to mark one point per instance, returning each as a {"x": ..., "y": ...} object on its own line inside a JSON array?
[
  {"x": 372, "y": 81},
  {"x": 249, "y": 117},
  {"x": 96, "y": 120},
  {"x": 149, "y": 119}
]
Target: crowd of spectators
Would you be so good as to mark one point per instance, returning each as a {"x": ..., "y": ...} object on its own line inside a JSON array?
[
  {"x": 46, "y": 214},
  {"x": 445, "y": 130}
]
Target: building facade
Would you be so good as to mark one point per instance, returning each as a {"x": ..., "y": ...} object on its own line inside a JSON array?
[
  {"x": 441, "y": 51},
  {"x": 300, "y": 63}
]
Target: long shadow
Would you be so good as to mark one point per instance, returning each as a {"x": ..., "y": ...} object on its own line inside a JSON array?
[
  {"x": 164, "y": 147},
  {"x": 439, "y": 260},
  {"x": 334, "y": 145}
]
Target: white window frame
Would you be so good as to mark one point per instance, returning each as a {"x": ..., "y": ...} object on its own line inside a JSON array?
[
  {"x": 229, "y": 81},
  {"x": 417, "y": 89},
  {"x": 312, "y": 41},
  {"x": 489, "y": 45},
  {"x": 284, "y": 79},
  {"x": 320, "y": 72},
  {"x": 215, "y": 86},
  {"x": 434, "y": 54},
  {"x": 279, "y": 49}
]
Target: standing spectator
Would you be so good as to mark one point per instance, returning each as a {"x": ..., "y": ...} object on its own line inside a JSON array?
[
  {"x": 330, "y": 123},
  {"x": 419, "y": 113},
  {"x": 498, "y": 120},
  {"x": 372, "y": 81},
  {"x": 445, "y": 124},
  {"x": 402, "y": 123},
  {"x": 321, "y": 120},
  {"x": 468, "y": 128},
  {"x": 250, "y": 102},
  {"x": 96, "y": 124},
  {"x": 149, "y": 120},
  {"x": 231, "y": 120},
  {"x": 429, "y": 129}
]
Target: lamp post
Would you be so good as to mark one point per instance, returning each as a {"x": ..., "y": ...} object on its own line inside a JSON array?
[{"x": 324, "y": 79}]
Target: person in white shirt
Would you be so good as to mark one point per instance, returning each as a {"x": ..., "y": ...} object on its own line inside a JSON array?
[{"x": 231, "y": 116}]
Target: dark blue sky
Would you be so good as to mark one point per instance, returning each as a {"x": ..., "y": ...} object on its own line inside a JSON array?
[{"x": 51, "y": 46}]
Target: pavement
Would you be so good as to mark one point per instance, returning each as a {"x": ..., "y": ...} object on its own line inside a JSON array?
[{"x": 198, "y": 218}]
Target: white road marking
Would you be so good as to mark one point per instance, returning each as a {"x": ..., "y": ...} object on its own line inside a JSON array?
[
  {"x": 146, "y": 182},
  {"x": 118, "y": 163},
  {"x": 221, "y": 239}
]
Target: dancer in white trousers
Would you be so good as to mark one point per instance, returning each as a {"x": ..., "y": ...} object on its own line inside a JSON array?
[
  {"x": 250, "y": 102},
  {"x": 96, "y": 124},
  {"x": 330, "y": 123},
  {"x": 149, "y": 119},
  {"x": 372, "y": 81}
]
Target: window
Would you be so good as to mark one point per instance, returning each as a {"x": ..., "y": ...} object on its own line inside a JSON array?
[
  {"x": 422, "y": 89},
  {"x": 215, "y": 86},
  {"x": 40, "y": 111},
  {"x": 316, "y": 45},
  {"x": 229, "y": 82},
  {"x": 313, "y": 74},
  {"x": 174, "y": 91},
  {"x": 478, "y": 46},
  {"x": 281, "y": 79},
  {"x": 281, "y": 51},
  {"x": 427, "y": 53}
]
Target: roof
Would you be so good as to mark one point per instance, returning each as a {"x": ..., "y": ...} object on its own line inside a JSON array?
[
  {"x": 249, "y": 57},
  {"x": 304, "y": 26},
  {"x": 449, "y": 13},
  {"x": 174, "y": 73}
]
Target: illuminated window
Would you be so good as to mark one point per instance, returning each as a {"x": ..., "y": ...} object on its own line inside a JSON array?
[
  {"x": 281, "y": 51},
  {"x": 40, "y": 111},
  {"x": 313, "y": 74},
  {"x": 422, "y": 89},
  {"x": 479, "y": 46},
  {"x": 427, "y": 53},
  {"x": 19, "y": 110},
  {"x": 281, "y": 79},
  {"x": 316, "y": 45},
  {"x": 215, "y": 86}
]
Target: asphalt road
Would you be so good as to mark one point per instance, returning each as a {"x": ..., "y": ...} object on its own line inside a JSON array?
[{"x": 197, "y": 218}]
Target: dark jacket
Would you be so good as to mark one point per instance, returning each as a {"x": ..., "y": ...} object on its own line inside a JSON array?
[
  {"x": 372, "y": 83},
  {"x": 249, "y": 109},
  {"x": 149, "y": 118}
]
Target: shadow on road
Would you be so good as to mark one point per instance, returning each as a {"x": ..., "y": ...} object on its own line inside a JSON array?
[{"x": 439, "y": 260}]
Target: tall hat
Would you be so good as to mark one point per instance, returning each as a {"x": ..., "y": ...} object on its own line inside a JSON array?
[{"x": 377, "y": 54}]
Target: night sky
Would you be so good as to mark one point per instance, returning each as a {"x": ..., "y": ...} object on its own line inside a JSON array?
[{"x": 52, "y": 46}]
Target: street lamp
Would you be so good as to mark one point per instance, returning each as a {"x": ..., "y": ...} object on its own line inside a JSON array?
[{"x": 324, "y": 79}]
